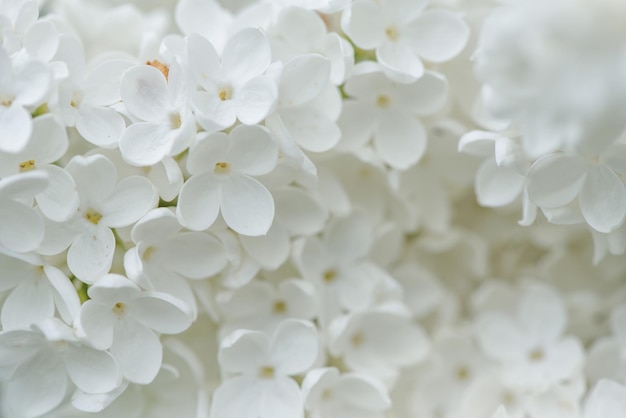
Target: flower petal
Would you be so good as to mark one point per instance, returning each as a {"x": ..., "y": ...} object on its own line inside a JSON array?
[
  {"x": 99, "y": 125},
  {"x": 295, "y": 347},
  {"x": 244, "y": 352},
  {"x": 542, "y": 313},
  {"x": 144, "y": 92},
  {"x": 137, "y": 351},
  {"x": 363, "y": 24},
  {"x": 603, "y": 199},
  {"x": 251, "y": 150},
  {"x": 60, "y": 200},
  {"x": 438, "y": 35},
  {"x": 145, "y": 143},
  {"x": 400, "y": 140},
  {"x": 16, "y": 127},
  {"x": 199, "y": 202},
  {"x": 28, "y": 303},
  {"x": 399, "y": 62},
  {"x": 247, "y": 206},
  {"x": 132, "y": 198},
  {"x": 311, "y": 129},
  {"x": 162, "y": 312},
  {"x": 21, "y": 228},
  {"x": 91, "y": 255},
  {"x": 497, "y": 186},
  {"x": 255, "y": 100},
  {"x": 91, "y": 370},
  {"x": 246, "y": 55},
  {"x": 195, "y": 255},
  {"x": 555, "y": 180},
  {"x": 303, "y": 79}
]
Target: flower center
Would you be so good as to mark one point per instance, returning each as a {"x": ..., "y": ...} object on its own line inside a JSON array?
[
  {"x": 383, "y": 101},
  {"x": 221, "y": 168},
  {"x": 119, "y": 308},
  {"x": 175, "y": 120},
  {"x": 160, "y": 66},
  {"x": 280, "y": 307},
  {"x": 93, "y": 216},
  {"x": 536, "y": 355},
  {"x": 225, "y": 93},
  {"x": 329, "y": 276},
  {"x": 27, "y": 165},
  {"x": 462, "y": 373},
  {"x": 266, "y": 372},
  {"x": 392, "y": 33},
  {"x": 357, "y": 339}
]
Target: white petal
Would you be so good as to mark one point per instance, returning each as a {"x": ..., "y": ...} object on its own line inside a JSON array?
[
  {"x": 96, "y": 321},
  {"x": 603, "y": 199},
  {"x": 303, "y": 27},
  {"x": 49, "y": 141},
  {"x": 246, "y": 55},
  {"x": 132, "y": 198},
  {"x": 304, "y": 78},
  {"x": 208, "y": 19},
  {"x": 145, "y": 143},
  {"x": 363, "y": 24},
  {"x": 295, "y": 347},
  {"x": 244, "y": 352},
  {"x": 144, "y": 92},
  {"x": 65, "y": 296},
  {"x": 357, "y": 124},
  {"x": 606, "y": 400},
  {"x": 270, "y": 250},
  {"x": 27, "y": 304},
  {"x": 99, "y": 125},
  {"x": 203, "y": 60},
  {"x": 95, "y": 177},
  {"x": 162, "y": 312},
  {"x": 255, "y": 100},
  {"x": 37, "y": 386},
  {"x": 21, "y": 228},
  {"x": 167, "y": 177},
  {"x": 195, "y": 255},
  {"x": 41, "y": 40},
  {"x": 247, "y": 206},
  {"x": 555, "y": 180},
  {"x": 157, "y": 225},
  {"x": 207, "y": 151},
  {"x": 137, "y": 351},
  {"x": 426, "y": 96},
  {"x": 91, "y": 255},
  {"x": 479, "y": 143},
  {"x": 438, "y": 35},
  {"x": 349, "y": 238},
  {"x": 91, "y": 370},
  {"x": 399, "y": 62},
  {"x": 364, "y": 391},
  {"x": 299, "y": 212},
  {"x": 199, "y": 202},
  {"x": 500, "y": 337},
  {"x": 60, "y": 200},
  {"x": 251, "y": 150},
  {"x": 16, "y": 127},
  {"x": 542, "y": 313},
  {"x": 400, "y": 140},
  {"x": 497, "y": 186},
  {"x": 102, "y": 84},
  {"x": 212, "y": 113},
  {"x": 248, "y": 397},
  {"x": 311, "y": 129}
]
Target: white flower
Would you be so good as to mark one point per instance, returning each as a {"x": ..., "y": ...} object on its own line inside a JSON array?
[
  {"x": 165, "y": 257},
  {"x": 222, "y": 168},
  {"x": 21, "y": 227},
  {"x": 48, "y": 143},
  {"x": 327, "y": 394},
  {"x": 37, "y": 288},
  {"x": 167, "y": 125},
  {"x": 385, "y": 111},
  {"x": 104, "y": 204},
  {"x": 41, "y": 362},
  {"x": 23, "y": 86},
  {"x": 530, "y": 345},
  {"x": 122, "y": 318},
  {"x": 233, "y": 86},
  {"x": 403, "y": 34},
  {"x": 607, "y": 400},
  {"x": 262, "y": 365}
]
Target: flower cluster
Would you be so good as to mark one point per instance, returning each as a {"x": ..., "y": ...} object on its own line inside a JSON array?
[{"x": 289, "y": 208}]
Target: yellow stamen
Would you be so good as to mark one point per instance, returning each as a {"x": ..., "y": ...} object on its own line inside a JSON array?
[
  {"x": 392, "y": 33},
  {"x": 329, "y": 276},
  {"x": 266, "y": 372},
  {"x": 221, "y": 168},
  {"x": 280, "y": 307},
  {"x": 93, "y": 216},
  {"x": 160, "y": 66},
  {"x": 382, "y": 101},
  {"x": 27, "y": 165}
]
